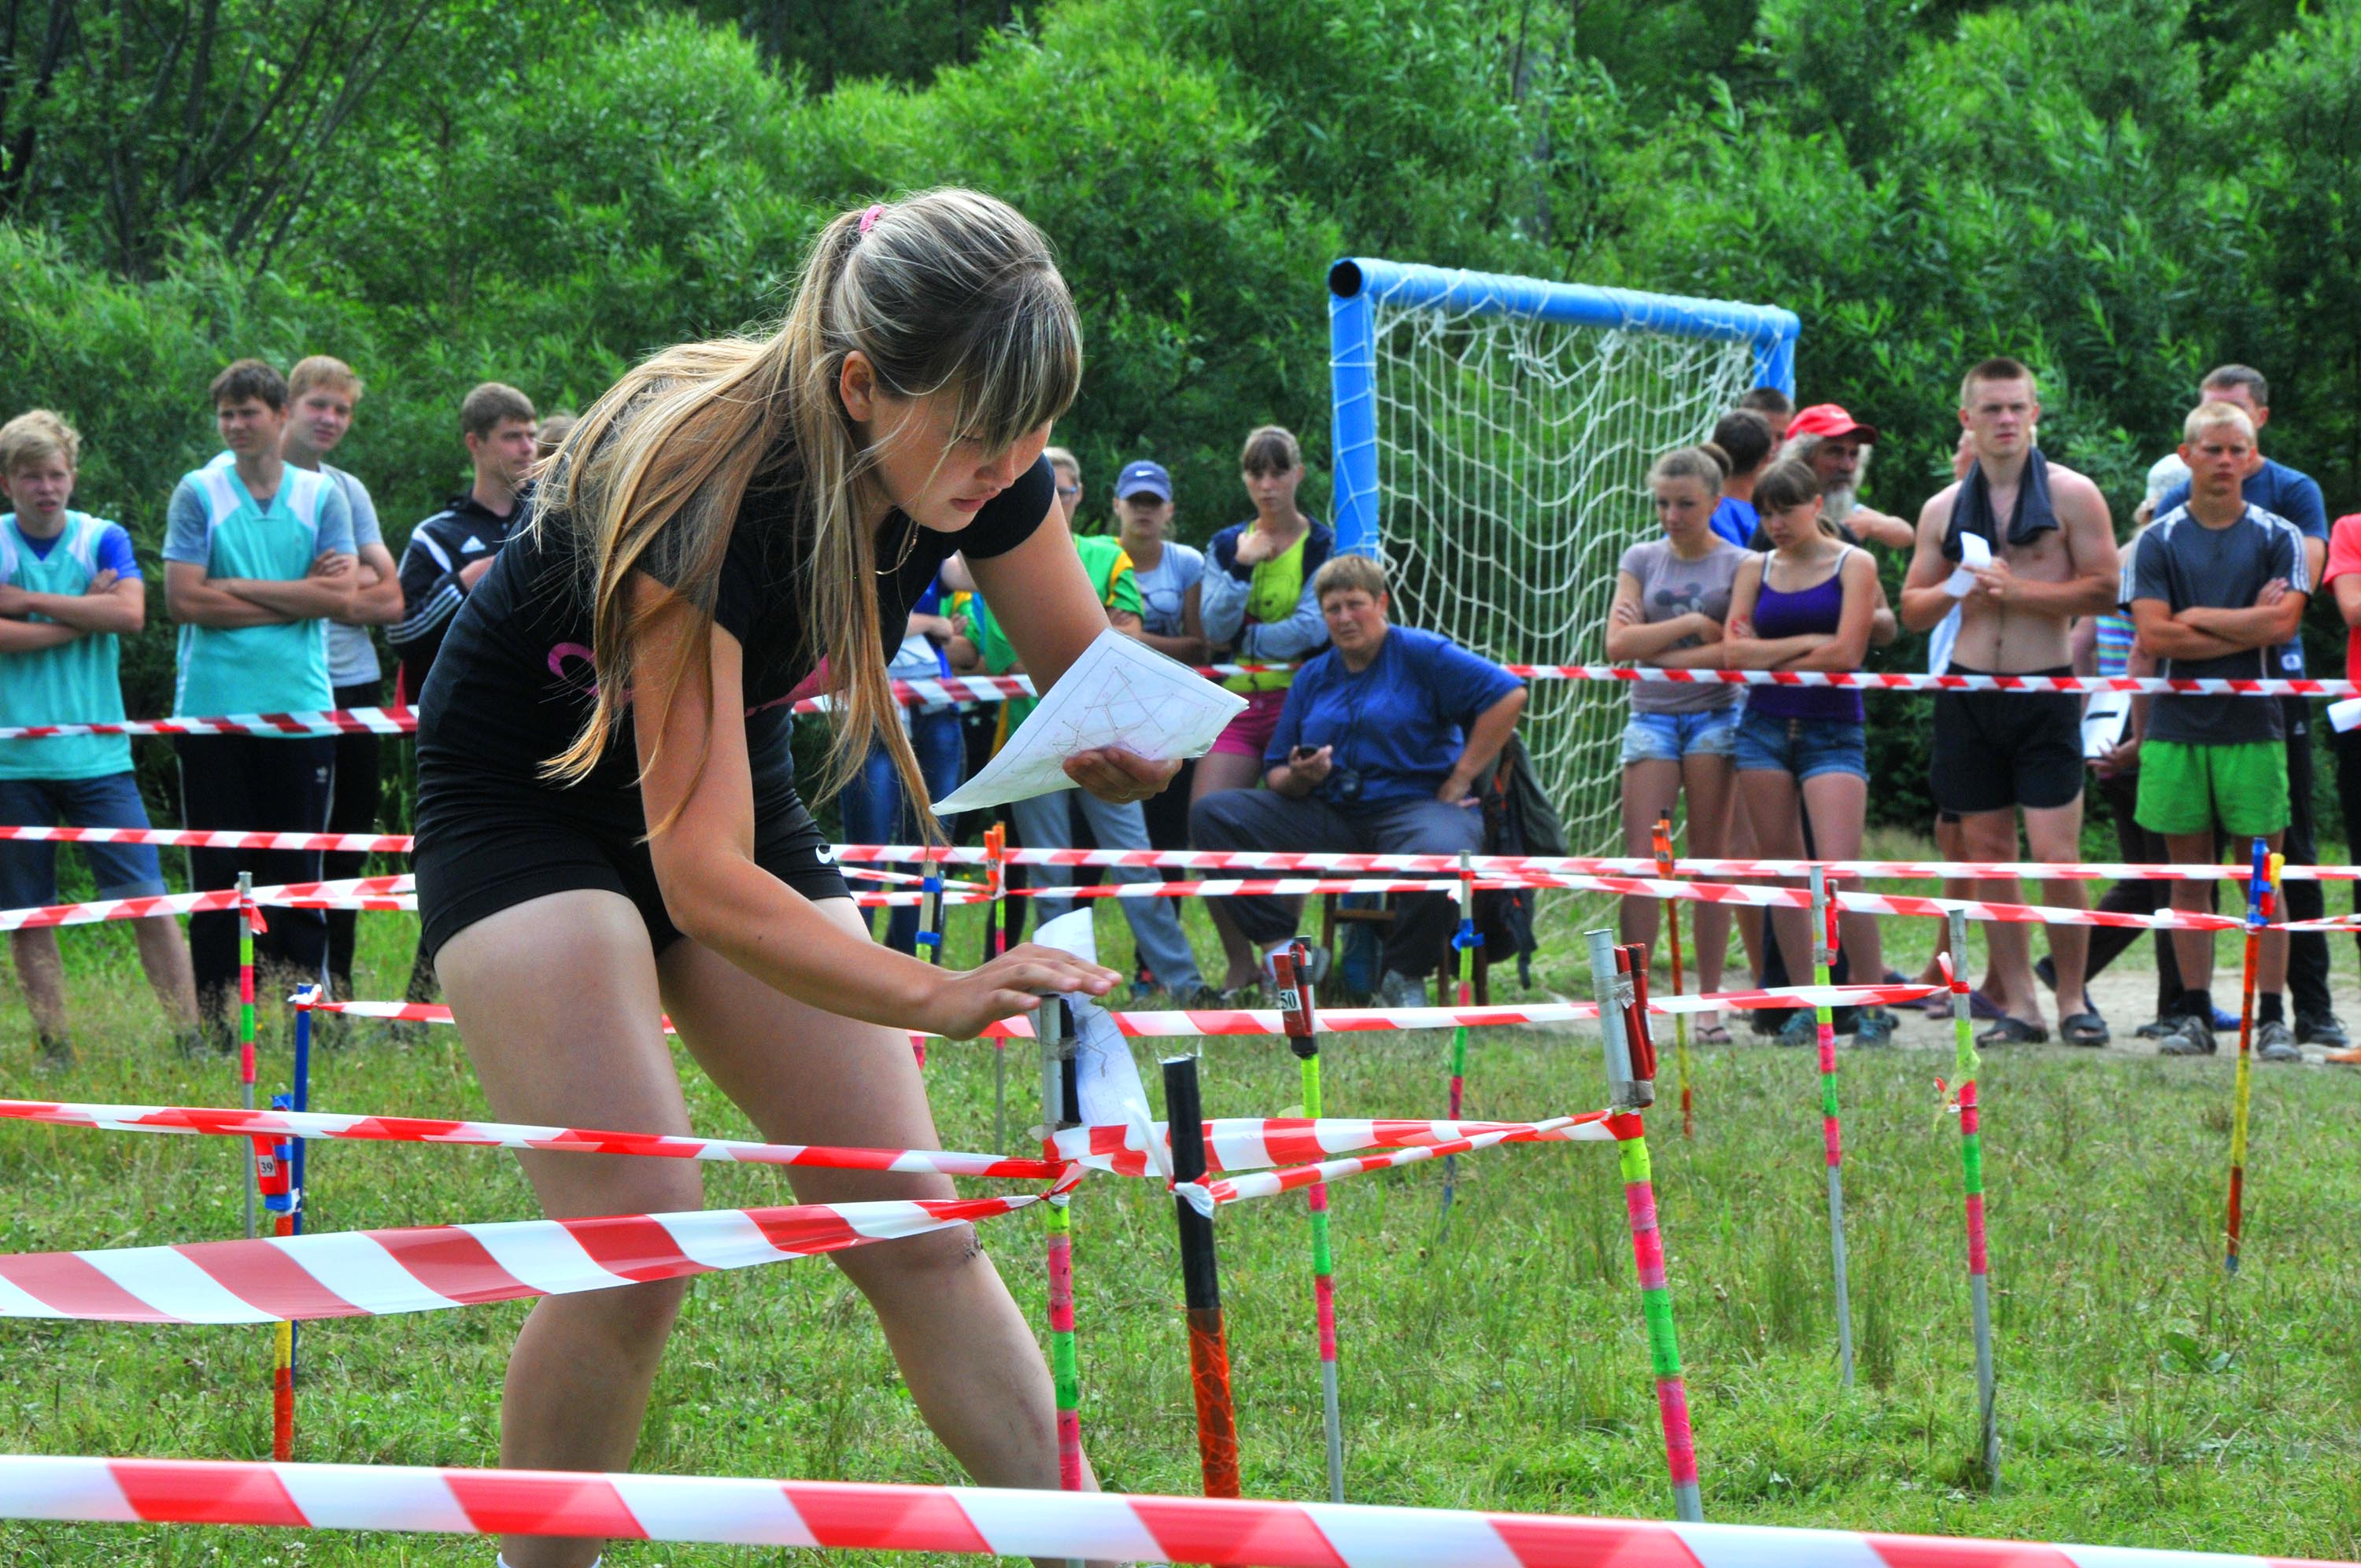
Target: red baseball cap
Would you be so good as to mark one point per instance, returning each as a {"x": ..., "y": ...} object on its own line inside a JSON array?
[{"x": 1831, "y": 423}]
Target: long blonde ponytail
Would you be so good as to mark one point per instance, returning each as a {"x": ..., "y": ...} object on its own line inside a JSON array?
[{"x": 949, "y": 291}]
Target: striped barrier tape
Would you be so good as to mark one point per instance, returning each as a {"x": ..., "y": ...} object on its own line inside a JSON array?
[
  {"x": 316, "y": 1125},
  {"x": 345, "y": 1274},
  {"x": 1204, "y": 1196},
  {"x": 869, "y": 1517},
  {"x": 382, "y": 893},
  {"x": 1873, "y": 680},
  {"x": 1578, "y": 865},
  {"x": 1181, "y": 1025},
  {"x": 359, "y": 892},
  {"x": 1003, "y": 688},
  {"x": 220, "y": 838},
  {"x": 1254, "y": 1142}
]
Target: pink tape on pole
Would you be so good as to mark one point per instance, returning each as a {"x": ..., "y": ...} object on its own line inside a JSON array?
[
  {"x": 1680, "y": 1442},
  {"x": 1324, "y": 1301},
  {"x": 1647, "y": 1240}
]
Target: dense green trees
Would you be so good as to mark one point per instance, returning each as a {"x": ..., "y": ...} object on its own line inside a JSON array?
[{"x": 2120, "y": 191}]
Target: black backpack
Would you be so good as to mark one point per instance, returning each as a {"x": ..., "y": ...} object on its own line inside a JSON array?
[{"x": 1519, "y": 819}]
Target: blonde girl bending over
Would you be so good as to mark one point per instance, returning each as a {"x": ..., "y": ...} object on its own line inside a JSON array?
[{"x": 610, "y": 824}]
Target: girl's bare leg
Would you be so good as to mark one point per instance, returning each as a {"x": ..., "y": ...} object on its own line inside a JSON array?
[
  {"x": 557, "y": 1000},
  {"x": 1770, "y": 798},
  {"x": 1838, "y": 801},
  {"x": 1710, "y": 782},
  {"x": 806, "y": 1076},
  {"x": 1217, "y": 770},
  {"x": 1651, "y": 789}
]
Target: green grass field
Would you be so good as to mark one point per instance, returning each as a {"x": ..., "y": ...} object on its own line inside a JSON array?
[{"x": 2144, "y": 1397}]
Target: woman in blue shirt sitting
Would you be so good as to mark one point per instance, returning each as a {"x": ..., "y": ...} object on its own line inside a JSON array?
[{"x": 1378, "y": 750}]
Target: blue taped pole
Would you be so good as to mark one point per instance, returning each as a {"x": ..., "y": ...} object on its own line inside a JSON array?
[{"x": 1352, "y": 435}]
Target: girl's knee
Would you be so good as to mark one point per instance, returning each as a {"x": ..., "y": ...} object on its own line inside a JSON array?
[{"x": 915, "y": 1262}]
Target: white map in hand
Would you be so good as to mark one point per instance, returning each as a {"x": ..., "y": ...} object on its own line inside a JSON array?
[
  {"x": 1119, "y": 693},
  {"x": 1975, "y": 555}
]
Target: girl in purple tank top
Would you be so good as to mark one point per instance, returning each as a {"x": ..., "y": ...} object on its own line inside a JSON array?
[{"x": 1806, "y": 605}]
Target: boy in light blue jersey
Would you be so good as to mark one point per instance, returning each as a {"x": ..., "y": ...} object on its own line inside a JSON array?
[
  {"x": 258, "y": 560},
  {"x": 70, "y": 588}
]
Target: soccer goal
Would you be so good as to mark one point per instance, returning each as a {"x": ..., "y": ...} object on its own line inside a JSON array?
[{"x": 1492, "y": 436}]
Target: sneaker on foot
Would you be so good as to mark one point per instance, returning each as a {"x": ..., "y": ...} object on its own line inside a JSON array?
[
  {"x": 2320, "y": 1029},
  {"x": 1875, "y": 1027},
  {"x": 56, "y": 1053},
  {"x": 2275, "y": 1041},
  {"x": 1396, "y": 989},
  {"x": 1802, "y": 1028},
  {"x": 2188, "y": 1037}
]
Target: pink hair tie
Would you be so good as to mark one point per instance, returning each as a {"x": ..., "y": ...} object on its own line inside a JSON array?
[{"x": 869, "y": 219}]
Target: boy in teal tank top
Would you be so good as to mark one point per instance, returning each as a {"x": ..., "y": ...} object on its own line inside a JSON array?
[
  {"x": 69, "y": 588},
  {"x": 258, "y": 560}
]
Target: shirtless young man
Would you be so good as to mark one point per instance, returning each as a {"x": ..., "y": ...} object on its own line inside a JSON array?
[{"x": 2052, "y": 558}]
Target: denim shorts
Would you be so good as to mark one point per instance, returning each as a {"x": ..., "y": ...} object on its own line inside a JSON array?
[
  {"x": 1669, "y": 737},
  {"x": 28, "y": 869},
  {"x": 1806, "y": 748}
]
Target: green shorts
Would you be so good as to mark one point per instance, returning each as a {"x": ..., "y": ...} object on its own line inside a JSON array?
[{"x": 2189, "y": 788}]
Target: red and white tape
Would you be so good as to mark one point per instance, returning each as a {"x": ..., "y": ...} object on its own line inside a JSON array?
[
  {"x": 347, "y": 1274},
  {"x": 325, "y": 1125},
  {"x": 1579, "y": 865},
  {"x": 340, "y": 721},
  {"x": 1206, "y": 1196},
  {"x": 357, "y": 892},
  {"x": 1001, "y": 688},
  {"x": 1254, "y": 1142},
  {"x": 867, "y": 1517},
  {"x": 212, "y": 839},
  {"x": 1176, "y": 1024}
]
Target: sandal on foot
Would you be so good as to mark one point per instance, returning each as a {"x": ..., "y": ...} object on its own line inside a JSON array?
[
  {"x": 1713, "y": 1035},
  {"x": 2083, "y": 1029},
  {"x": 2014, "y": 1032}
]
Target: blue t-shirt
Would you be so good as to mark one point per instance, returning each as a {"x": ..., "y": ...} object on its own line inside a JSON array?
[
  {"x": 1400, "y": 723},
  {"x": 114, "y": 550},
  {"x": 2284, "y": 492},
  {"x": 1735, "y": 521}
]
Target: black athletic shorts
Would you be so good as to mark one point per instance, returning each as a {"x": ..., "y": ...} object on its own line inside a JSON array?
[
  {"x": 487, "y": 844},
  {"x": 1997, "y": 750}
]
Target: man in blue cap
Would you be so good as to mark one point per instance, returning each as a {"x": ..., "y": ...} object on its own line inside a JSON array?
[
  {"x": 1167, "y": 574},
  {"x": 1046, "y": 821}
]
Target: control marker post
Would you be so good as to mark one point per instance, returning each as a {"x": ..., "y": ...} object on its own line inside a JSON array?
[
  {"x": 1209, "y": 1351},
  {"x": 1295, "y": 1016},
  {"x": 1661, "y": 843},
  {"x": 2260, "y": 886},
  {"x": 274, "y": 1173},
  {"x": 1619, "y": 977},
  {"x": 995, "y": 942},
  {"x": 1465, "y": 940},
  {"x": 930, "y": 923},
  {"x": 1824, "y": 943},
  {"x": 1058, "y": 1110},
  {"x": 245, "y": 922},
  {"x": 1964, "y": 1067}
]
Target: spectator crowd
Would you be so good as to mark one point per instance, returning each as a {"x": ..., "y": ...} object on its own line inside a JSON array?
[{"x": 1358, "y": 733}]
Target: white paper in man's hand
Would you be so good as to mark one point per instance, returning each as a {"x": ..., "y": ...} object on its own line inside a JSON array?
[
  {"x": 1974, "y": 556},
  {"x": 1119, "y": 693}
]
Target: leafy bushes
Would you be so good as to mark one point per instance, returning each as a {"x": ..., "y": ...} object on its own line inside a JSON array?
[{"x": 2121, "y": 193}]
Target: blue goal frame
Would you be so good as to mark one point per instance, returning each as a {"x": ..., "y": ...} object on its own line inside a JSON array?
[{"x": 1357, "y": 285}]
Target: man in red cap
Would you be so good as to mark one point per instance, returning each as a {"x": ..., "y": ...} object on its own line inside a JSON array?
[{"x": 1838, "y": 445}]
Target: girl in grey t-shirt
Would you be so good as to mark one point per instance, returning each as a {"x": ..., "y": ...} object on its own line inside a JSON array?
[{"x": 1672, "y": 596}]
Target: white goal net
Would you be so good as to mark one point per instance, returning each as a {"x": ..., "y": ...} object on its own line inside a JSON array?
[{"x": 1493, "y": 438}]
